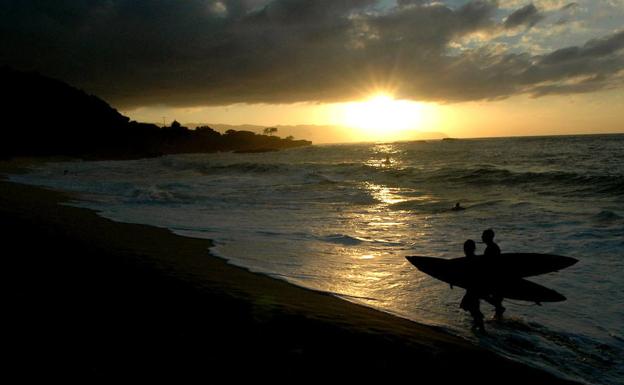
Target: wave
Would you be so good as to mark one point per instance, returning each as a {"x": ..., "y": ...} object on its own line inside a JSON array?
[
  {"x": 206, "y": 167},
  {"x": 499, "y": 176},
  {"x": 607, "y": 216},
  {"x": 159, "y": 194},
  {"x": 423, "y": 206},
  {"x": 247, "y": 167},
  {"x": 579, "y": 357},
  {"x": 484, "y": 176},
  {"x": 310, "y": 173},
  {"x": 335, "y": 175},
  {"x": 343, "y": 239}
]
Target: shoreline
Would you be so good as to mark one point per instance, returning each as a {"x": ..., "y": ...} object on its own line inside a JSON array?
[{"x": 138, "y": 302}]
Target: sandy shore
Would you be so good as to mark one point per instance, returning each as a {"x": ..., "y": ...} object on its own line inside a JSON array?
[{"x": 91, "y": 300}]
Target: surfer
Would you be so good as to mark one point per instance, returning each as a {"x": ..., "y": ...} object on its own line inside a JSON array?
[
  {"x": 492, "y": 250},
  {"x": 458, "y": 208},
  {"x": 471, "y": 301}
]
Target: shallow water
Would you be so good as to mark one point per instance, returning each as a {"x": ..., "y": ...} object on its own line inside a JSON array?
[{"x": 341, "y": 219}]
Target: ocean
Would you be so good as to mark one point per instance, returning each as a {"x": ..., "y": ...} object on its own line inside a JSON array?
[{"x": 341, "y": 219}]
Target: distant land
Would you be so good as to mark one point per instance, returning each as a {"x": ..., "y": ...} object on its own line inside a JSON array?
[
  {"x": 47, "y": 117},
  {"x": 316, "y": 133}
]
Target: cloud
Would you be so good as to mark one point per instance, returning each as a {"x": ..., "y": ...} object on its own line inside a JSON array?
[
  {"x": 407, "y": 3},
  {"x": 526, "y": 16},
  {"x": 566, "y": 13},
  {"x": 570, "y": 6},
  {"x": 595, "y": 49},
  {"x": 207, "y": 52}
]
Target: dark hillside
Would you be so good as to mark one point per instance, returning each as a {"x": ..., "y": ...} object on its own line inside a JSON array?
[{"x": 46, "y": 117}]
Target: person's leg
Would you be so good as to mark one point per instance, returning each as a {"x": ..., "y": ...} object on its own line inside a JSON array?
[
  {"x": 499, "y": 309},
  {"x": 497, "y": 302},
  {"x": 477, "y": 319}
]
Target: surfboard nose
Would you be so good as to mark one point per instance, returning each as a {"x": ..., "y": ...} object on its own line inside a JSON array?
[
  {"x": 568, "y": 261},
  {"x": 554, "y": 296},
  {"x": 425, "y": 263}
]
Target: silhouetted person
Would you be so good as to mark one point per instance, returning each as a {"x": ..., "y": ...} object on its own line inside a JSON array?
[
  {"x": 493, "y": 251},
  {"x": 458, "y": 207},
  {"x": 471, "y": 302}
]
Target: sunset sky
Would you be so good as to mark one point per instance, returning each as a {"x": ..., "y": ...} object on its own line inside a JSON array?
[{"x": 390, "y": 69}]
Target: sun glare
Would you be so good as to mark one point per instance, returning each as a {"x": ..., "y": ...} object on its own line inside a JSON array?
[{"x": 383, "y": 118}]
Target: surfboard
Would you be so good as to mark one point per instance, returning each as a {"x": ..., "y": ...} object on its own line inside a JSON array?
[
  {"x": 466, "y": 273},
  {"x": 518, "y": 265},
  {"x": 525, "y": 290}
]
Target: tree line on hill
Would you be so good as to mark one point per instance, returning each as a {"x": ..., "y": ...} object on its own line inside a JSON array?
[{"x": 46, "y": 117}]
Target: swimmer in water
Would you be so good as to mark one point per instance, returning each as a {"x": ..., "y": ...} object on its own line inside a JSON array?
[{"x": 457, "y": 207}]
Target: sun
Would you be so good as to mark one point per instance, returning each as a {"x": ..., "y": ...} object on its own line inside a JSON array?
[{"x": 381, "y": 117}]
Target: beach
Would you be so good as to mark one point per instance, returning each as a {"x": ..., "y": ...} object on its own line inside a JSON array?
[{"x": 92, "y": 300}]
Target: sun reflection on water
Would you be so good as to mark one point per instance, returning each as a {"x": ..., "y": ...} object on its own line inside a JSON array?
[
  {"x": 360, "y": 256},
  {"x": 384, "y": 194},
  {"x": 385, "y": 156},
  {"x": 372, "y": 273}
]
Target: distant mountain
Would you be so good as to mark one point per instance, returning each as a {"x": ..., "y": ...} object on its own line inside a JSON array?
[{"x": 46, "y": 117}]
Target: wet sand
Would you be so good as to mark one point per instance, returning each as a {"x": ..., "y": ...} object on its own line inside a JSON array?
[{"x": 91, "y": 300}]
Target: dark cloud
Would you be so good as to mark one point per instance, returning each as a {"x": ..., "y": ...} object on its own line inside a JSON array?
[
  {"x": 408, "y": 3},
  {"x": 570, "y": 6},
  {"x": 583, "y": 86},
  {"x": 596, "y": 65},
  {"x": 201, "y": 52},
  {"x": 527, "y": 16},
  {"x": 567, "y": 10},
  {"x": 593, "y": 49}
]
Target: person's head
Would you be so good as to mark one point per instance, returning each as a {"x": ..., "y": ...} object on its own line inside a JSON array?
[
  {"x": 469, "y": 248},
  {"x": 488, "y": 236}
]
